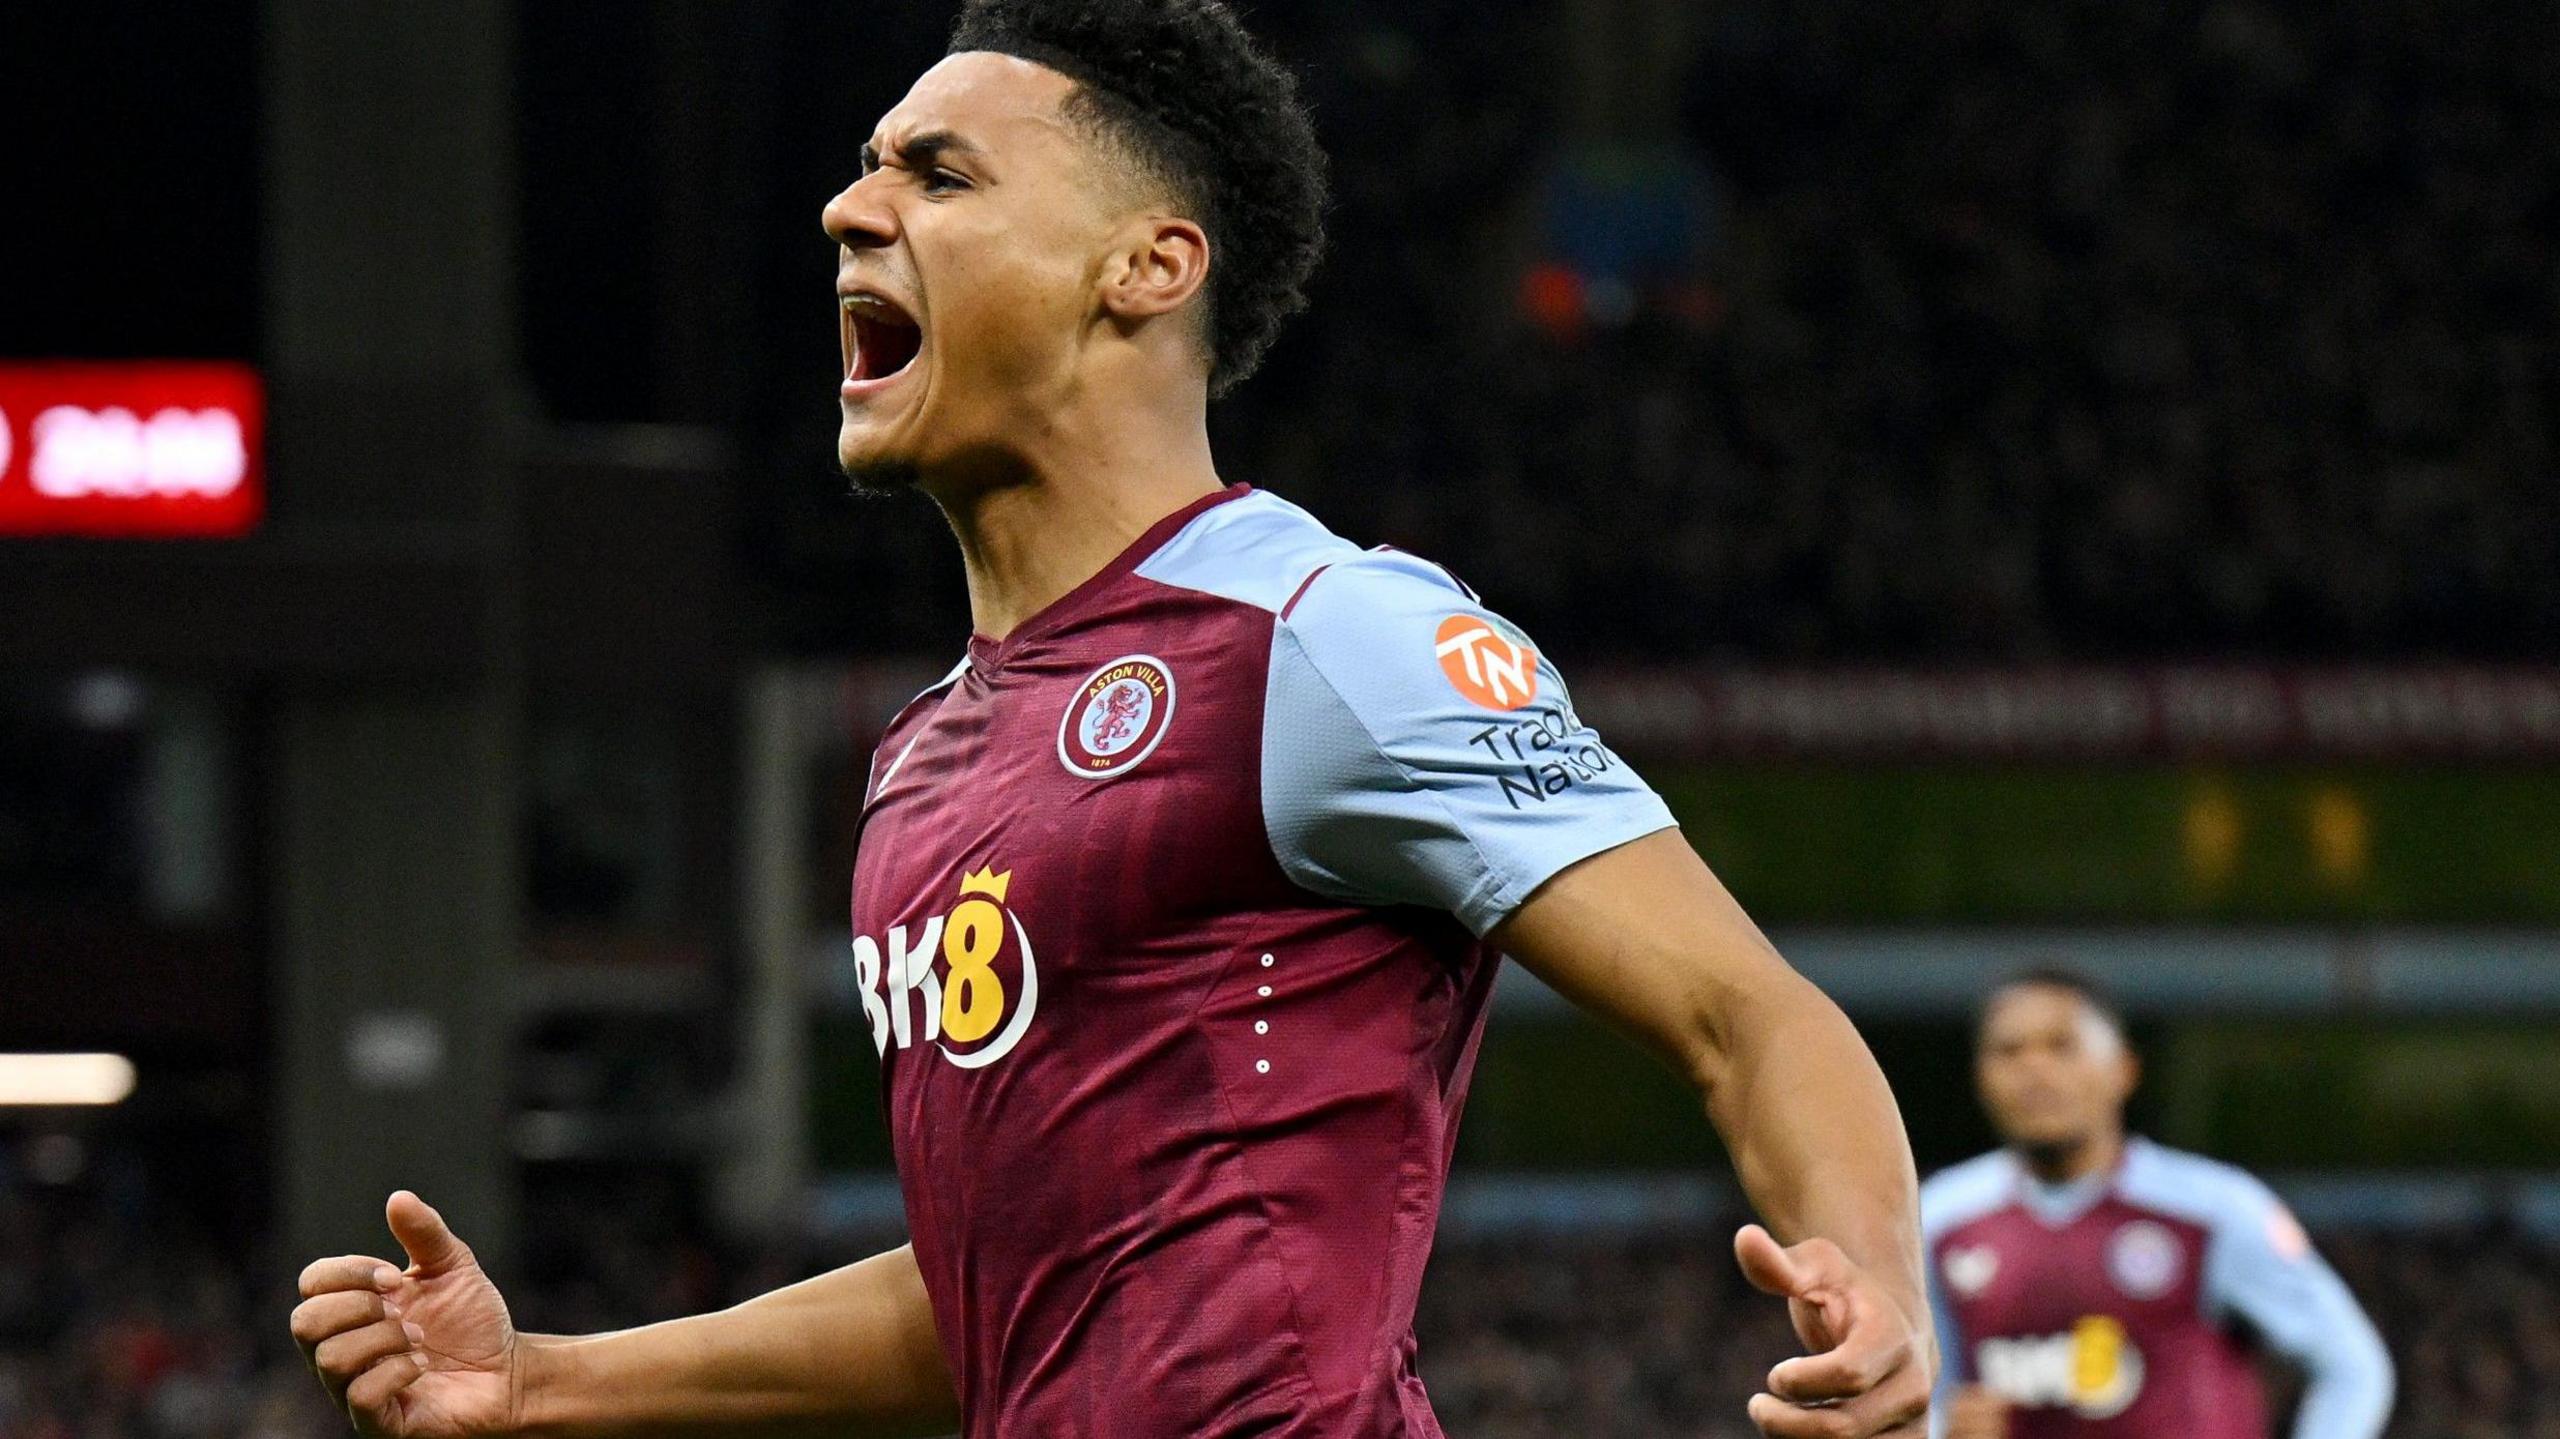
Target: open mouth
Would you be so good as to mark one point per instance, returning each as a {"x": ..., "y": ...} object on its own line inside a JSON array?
[{"x": 880, "y": 339}]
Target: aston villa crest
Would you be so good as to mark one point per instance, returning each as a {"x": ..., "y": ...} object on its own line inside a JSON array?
[{"x": 1116, "y": 718}]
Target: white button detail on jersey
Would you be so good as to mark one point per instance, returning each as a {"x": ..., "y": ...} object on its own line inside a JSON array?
[
  {"x": 1266, "y": 961},
  {"x": 1262, "y": 1026},
  {"x": 1264, "y": 991},
  {"x": 1262, "y": 1066}
]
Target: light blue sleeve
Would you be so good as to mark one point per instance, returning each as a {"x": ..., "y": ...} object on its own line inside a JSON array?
[
  {"x": 2262, "y": 1268},
  {"x": 1417, "y": 749},
  {"x": 1950, "y": 1356},
  {"x": 1947, "y": 1199}
]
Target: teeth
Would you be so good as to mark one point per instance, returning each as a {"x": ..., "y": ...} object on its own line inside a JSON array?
[{"x": 873, "y": 305}]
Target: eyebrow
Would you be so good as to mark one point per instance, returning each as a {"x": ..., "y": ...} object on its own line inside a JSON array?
[{"x": 922, "y": 150}]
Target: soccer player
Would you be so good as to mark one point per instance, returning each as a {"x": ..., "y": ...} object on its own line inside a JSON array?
[
  {"x": 2090, "y": 1284},
  {"x": 1178, "y": 900}
]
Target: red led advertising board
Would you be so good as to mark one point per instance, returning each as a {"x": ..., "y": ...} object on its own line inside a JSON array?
[{"x": 146, "y": 449}]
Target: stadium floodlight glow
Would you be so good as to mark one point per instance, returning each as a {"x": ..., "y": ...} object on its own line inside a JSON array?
[{"x": 44, "y": 1080}]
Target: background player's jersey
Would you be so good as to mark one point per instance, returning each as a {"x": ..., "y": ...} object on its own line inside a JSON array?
[
  {"x": 2126, "y": 1305},
  {"x": 1166, "y": 916}
]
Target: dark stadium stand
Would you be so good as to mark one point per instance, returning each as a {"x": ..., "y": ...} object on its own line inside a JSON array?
[
  {"x": 2042, "y": 329},
  {"x": 2022, "y": 331}
]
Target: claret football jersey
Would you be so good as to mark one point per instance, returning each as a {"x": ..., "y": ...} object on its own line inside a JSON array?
[
  {"x": 1167, "y": 917},
  {"x": 2133, "y": 1305}
]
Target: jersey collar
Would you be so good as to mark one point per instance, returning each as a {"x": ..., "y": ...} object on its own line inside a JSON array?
[
  {"x": 989, "y": 654},
  {"x": 2055, "y": 1205}
]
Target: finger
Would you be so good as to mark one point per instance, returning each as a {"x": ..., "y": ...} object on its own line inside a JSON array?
[
  {"x": 432, "y": 1247},
  {"x": 324, "y": 1315},
  {"x": 1816, "y": 1264},
  {"x": 375, "y": 1389},
  {"x": 341, "y": 1357},
  {"x": 346, "y": 1271},
  {"x": 1768, "y": 1266},
  {"x": 1887, "y": 1410},
  {"x": 1779, "y": 1419},
  {"x": 1865, "y": 1356}
]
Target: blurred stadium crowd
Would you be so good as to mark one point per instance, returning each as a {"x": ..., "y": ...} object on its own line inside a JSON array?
[
  {"x": 2001, "y": 332},
  {"x": 120, "y": 1319}
]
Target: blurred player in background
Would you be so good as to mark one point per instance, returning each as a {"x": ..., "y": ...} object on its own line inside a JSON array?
[
  {"x": 2091, "y": 1283},
  {"x": 1178, "y": 902}
]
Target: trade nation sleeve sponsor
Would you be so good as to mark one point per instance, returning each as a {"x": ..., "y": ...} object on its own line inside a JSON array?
[{"x": 1420, "y": 750}]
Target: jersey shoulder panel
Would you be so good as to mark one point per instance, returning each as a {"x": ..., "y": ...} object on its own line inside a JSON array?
[
  {"x": 2261, "y": 1268},
  {"x": 1417, "y": 749},
  {"x": 1257, "y": 550},
  {"x": 2202, "y": 1191},
  {"x": 1962, "y": 1193}
]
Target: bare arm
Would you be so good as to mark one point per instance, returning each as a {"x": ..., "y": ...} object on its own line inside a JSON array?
[
  {"x": 1647, "y": 938},
  {"x": 430, "y": 1352},
  {"x": 848, "y": 1353}
]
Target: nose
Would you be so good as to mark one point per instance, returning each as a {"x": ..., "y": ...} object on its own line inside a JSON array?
[{"x": 859, "y": 217}]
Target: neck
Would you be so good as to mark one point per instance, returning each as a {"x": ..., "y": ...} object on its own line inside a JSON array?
[
  {"x": 1063, "y": 510},
  {"x": 2069, "y": 1161}
]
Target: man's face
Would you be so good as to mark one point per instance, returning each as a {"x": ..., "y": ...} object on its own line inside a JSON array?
[
  {"x": 966, "y": 262},
  {"x": 2053, "y": 1072}
]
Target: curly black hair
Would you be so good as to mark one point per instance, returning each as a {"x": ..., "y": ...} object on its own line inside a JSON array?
[{"x": 1181, "y": 87}]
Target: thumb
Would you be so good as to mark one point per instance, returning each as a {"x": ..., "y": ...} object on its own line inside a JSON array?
[
  {"x": 421, "y": 1231},
  {"x": 1768, "y": 1266}
]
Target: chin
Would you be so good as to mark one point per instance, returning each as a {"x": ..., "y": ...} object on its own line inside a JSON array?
[
  {"x": 874, "y": 461},
  {"x": 2049, "y": 1147},
  {"x": 878, "y": 474}
]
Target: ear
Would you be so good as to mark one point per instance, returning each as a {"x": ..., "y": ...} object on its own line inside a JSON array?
[
  {"x": 1159, "y": 264},
  {"x": 2129, "y": 1073}
]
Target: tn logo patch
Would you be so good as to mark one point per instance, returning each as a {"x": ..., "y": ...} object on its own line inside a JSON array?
[{"x": 1492, "y": 668}]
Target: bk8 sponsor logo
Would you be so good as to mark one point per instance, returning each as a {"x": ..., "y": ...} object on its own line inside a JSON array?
[
  {"x": 944, "y": 981},
  {"x": 2094, "y": 1370}
]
